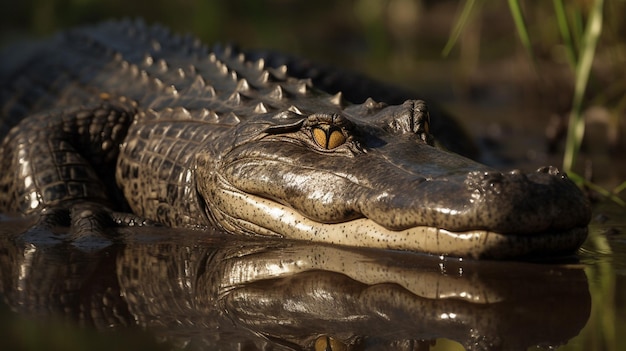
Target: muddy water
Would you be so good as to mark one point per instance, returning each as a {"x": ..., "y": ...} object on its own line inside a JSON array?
[{"x": 175, "y": 289}]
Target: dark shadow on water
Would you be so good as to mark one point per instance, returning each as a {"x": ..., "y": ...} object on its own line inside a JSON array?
[{"x": 208, "y": 291}]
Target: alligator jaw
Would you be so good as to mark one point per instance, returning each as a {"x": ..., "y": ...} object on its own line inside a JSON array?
[{"x": 258, "y": 215}]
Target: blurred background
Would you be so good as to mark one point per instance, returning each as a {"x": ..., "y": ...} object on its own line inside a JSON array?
[
  {"x": 514, "y": 100},
  {"x": 513, "y": 97}
]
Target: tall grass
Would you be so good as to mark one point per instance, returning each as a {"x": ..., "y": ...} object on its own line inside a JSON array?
[
  {"x": 580, "y": 26},
  {"x": 576, "y": 127},
  {"x": 580, "y": 50}
]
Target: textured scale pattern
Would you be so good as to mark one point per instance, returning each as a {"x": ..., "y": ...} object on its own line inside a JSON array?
[
  {"x": 125, "y": 123},
  {"x": 178, "y": 96}
]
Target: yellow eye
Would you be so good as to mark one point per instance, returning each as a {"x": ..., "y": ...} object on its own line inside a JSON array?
[
  {"x": 319, "y": 135},
  {"x": 327, "y": 137},
  {"x": 327, "y": 343},
  {"x": 336, "y": 138}
]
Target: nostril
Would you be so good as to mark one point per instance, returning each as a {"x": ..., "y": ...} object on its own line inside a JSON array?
[
  {"x": 488, "y": 176},
  {"x": 485, "y": 181},
  {"x": 495, "y": 182}
]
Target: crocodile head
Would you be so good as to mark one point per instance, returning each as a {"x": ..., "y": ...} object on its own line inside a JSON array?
[{"x": 369, "y": 175}]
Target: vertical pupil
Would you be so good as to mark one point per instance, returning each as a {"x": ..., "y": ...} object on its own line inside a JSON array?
[{"x": 328, "y": 137}]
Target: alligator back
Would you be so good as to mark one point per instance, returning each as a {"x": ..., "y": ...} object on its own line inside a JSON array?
[{"x": 166, "y": 97}]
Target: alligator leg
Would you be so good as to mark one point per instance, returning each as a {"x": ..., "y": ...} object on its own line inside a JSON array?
[{"x": 61, "y": 165}]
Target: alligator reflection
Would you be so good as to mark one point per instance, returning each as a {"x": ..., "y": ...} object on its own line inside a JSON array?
[{"x": 202, "y": 292}]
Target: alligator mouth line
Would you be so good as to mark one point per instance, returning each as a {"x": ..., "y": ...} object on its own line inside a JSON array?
[{"x": 255, "y": 214}]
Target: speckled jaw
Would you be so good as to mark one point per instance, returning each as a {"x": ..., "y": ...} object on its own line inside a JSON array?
[{"x": 258, "y": 215}]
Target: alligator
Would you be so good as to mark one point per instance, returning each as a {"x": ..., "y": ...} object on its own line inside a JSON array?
[{"x": 126, "y": 123}]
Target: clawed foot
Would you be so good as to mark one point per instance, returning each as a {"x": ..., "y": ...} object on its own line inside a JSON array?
[{"x": 91, "y": 225}]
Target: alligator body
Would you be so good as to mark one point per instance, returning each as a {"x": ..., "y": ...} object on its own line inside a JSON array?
[{"x": 126, "y": 117}]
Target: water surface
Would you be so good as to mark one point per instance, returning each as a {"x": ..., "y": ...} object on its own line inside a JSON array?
[{"x": 180, "y": 289}]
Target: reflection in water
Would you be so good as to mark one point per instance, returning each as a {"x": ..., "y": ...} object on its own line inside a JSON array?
[
  {"x": 211, "y": 292},
  {"x": 604, "y": 257}
]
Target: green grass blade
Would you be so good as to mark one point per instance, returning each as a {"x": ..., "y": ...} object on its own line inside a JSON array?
[
  {"x": 520, "y": 24},
  {"x": 576, "y": 128},
  {"x": 458, "y": 27},
  {"x": 612, "y": 195},
  {"x": 576, "y": 21},
  {"x": 564, "y": 30},
  {"x": 618, "y": 189}
]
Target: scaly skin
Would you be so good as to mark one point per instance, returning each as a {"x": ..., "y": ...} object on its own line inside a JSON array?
[{"x": 197, "y": 138}]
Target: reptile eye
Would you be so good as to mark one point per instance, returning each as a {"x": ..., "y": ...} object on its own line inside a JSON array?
[
  {"x": 328, "y": 137},
  {"x": 328, "y": 343}
]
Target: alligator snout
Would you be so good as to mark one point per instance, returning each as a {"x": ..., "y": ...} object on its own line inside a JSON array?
[{"x": 514, "y": 202}]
